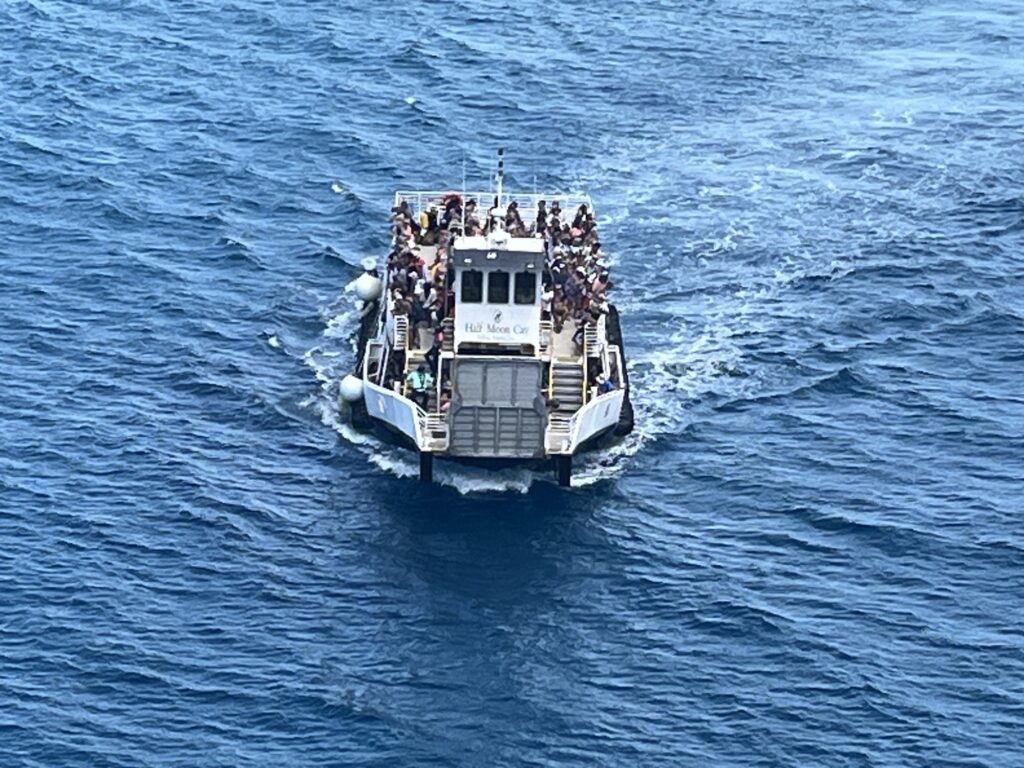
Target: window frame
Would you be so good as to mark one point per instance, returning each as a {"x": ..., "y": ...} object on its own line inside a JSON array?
[
  {"x": 507, "y": 287},
  {"x": 475, "y": 273},
  {"x": 533, "y": 288}
]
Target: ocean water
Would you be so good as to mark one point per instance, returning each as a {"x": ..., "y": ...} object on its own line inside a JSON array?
[{"x": 810, "y": 552}]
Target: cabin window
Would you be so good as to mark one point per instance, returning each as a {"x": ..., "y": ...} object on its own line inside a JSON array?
[
  {"x": 526, "y": 288},
  {"x": 497, "y": 288},
  {"x": 472, "y": 286}
]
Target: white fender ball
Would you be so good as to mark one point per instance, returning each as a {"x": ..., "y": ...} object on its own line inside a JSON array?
[
  {"x": 368, "y": 287},
  {"x": 351, "y": 389}
]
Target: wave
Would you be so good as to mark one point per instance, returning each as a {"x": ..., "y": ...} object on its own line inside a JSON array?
[{"x": 664, "y": 382}]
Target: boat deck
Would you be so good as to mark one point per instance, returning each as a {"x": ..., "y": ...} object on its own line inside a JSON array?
[{"x": 563, "y": 348}]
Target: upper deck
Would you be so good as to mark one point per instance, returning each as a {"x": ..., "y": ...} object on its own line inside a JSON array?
[
  {"x": 491, "y": 329},
  {"x": 422, "y": 200}
]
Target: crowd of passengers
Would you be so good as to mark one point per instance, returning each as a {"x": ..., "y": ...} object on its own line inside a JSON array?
[{"x": 575, "y": 277}]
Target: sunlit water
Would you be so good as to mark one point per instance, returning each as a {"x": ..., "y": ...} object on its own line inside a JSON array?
[{"x": 808, "y": 553}]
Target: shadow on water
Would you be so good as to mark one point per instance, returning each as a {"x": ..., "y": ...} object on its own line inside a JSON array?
[
  {"x": 476, "y": 587},
  {"x": 485, "y": 543}
]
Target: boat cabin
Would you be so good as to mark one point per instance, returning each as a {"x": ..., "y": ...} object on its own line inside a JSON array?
[{"x": 497, "y": 294}]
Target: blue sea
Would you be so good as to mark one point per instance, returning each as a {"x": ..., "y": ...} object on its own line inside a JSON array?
[{"x": 809, "y": 552}]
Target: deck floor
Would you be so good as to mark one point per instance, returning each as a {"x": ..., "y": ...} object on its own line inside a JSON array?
[{"x": 562, "y": 346}]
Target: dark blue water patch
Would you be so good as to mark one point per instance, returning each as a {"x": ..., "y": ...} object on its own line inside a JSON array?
[{"x": 808, "y": 552}]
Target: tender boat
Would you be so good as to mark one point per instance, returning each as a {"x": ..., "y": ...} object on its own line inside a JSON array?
[{"x": 488, "y": 336}]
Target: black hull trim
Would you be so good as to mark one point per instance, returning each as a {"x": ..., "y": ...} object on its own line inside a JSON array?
[
  {"x": 614, "y": 330},
  {"x": 358, "y": 414}
]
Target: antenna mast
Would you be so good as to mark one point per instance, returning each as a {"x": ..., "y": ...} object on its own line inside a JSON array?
[{"x": 501, "y": 171}]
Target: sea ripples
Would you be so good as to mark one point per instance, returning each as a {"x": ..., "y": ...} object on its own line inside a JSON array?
[{"x": 807, "y": 553}]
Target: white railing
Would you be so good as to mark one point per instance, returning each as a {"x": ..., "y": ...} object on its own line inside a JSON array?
[
  {"x": 591, "y": 340},
  {"x": 401, "y": 335},
  {"x": 374, "y": 361},
  {"x": 616, "y": 354},
  {"x": 435, "y": 431},
  {"x": 558, "y": 436},
  {"x": 546, "y": 331},
  {"x": 420, "y": 200}
]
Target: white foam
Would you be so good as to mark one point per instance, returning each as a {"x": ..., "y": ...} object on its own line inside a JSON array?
[{"x": 696, "y": 359}]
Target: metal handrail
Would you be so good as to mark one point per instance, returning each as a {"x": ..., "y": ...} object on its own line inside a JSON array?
[
  {"x": 420, "y": 200},
  {"x": 586, "y": 368},
  {"x": 546, "y": 328}
]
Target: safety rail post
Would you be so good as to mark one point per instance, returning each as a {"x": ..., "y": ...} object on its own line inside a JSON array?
[
  {"x": 586, "y": 368},
  {"x": 546, "y": 331}
]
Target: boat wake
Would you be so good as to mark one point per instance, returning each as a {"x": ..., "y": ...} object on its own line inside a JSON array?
[{"x": 663, "y": 382}]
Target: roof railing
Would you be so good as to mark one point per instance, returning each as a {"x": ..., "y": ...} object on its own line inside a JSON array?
[{"x": 421, "y": 200}]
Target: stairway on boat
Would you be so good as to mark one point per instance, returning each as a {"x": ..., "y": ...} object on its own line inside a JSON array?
[
  {"x": 415, "y": 357},
  {"x": 448, "y": 343},
  {"x": 567, "y": 386}
]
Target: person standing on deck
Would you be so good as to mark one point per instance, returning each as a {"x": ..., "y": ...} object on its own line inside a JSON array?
[
  {"x": 419, "y": 385},
  {"x": 542, "y": 218}
]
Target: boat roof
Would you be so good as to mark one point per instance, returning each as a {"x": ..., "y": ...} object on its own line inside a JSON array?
[{"x": 493, "y": 243}]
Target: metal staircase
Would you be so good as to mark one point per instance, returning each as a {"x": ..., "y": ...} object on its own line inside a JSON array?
[
  {"x": 448, "y": 344},
  {"x": 567, "y": 387}
]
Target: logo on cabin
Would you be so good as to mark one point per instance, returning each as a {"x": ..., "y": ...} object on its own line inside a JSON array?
[{"x": 497, "y": 316}]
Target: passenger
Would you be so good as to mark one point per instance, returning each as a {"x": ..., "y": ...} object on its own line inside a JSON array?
[
  {"x": 431, "y": 302},
  {"x": 574, "y": 291},
  {"x": 402, "y": 305},
  {"x": 428, "y": 226},
  {"x": 588, "y": 318},
  {"x": 564, "y": 235},
  {"x": 418, "y": 318},
  {"x": 545, "y": 303},
  {"x": 604, "y": 384},
  {"x": 492, "y": 218},
  {"x": 432, "y": 356},
  {"x": 542, "y": 218},
  {"x": 588, "y": 224},
  {"x": 452, "y": 211},
  {"x": 581, "y": 327},
  {"x": 445, "y": 402},
  {"x": 513, "y": 221},
  {"x": 419, "y": 385},
  {"x": 559, "y": 274},
  {"x": 559, "y": 309},
  {"x": 581, "y": 216},
  {"x": 437, "y": 267}
]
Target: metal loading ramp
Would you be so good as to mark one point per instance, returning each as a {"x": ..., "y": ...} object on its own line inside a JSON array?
[{"x": 497, "y": 408}]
